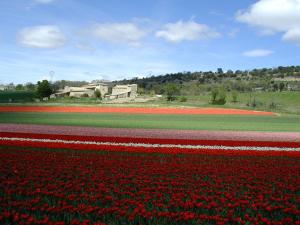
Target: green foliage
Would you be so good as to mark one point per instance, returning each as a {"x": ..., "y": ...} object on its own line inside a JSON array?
[
  {"x": 234, "y": 96},
  {"x": 218, "y": 96},
  {"x": 242, "y": 81},
  {"x": 183, "y": 99},
  {"x": 152, "y": 93},
  {"x": 214, "y": 94},
  {"x": 221, "y": 97},
  {"x": 97, "y": 94},
  {"x": 20, "y": 87},
  {"x": 171, "y": 91},
  {"x": 17, "y": 96},
  {"x": 275, "y": 87},
  {"x": 44, "y": 89},
  {"x": 141, "y": 91},
  {"x": 281, "y": 86},
  {"x": 272, "y": 105},
  {"x": 30, "y": 86}
]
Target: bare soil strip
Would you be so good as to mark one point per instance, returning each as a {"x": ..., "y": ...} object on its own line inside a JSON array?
[
  {"x": 134, "y": 110},
  {"x": 153, "y": 133}
]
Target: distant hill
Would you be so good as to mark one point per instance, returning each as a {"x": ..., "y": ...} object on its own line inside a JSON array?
[{"x": 241, "y": 80}]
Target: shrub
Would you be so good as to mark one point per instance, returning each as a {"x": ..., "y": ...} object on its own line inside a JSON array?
[
  {"x": 183, "y": 99},
  {"x": 234, "y": 95},
  {"x": 218, "y": 96},
  {"x": 222, "y": 96},
  {"x": 214, "y": 94},
  {"x": 171, "y": 91},
  {"x": 97, "y": 94}
]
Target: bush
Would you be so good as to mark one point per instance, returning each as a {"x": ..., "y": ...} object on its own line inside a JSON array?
[
  {"x": 222, "y": 96},
  {"x": 171, "y": 91},
  {"x": 281, "y": 87},
  {"x": 272, "y": 105},
  {"x": 141, "y": 91},
  {"x": 234, "y": 95},
  {"x": 97, "y": 94},
  {"x": 183, "y": 99},
  {"x": 218, "y": 96},
  {"x": 152, "y": 93},
  {"x": 214, "y": 94}
]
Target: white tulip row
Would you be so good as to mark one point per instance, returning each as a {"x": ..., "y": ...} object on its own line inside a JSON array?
[{"x": 145, "y": 145}]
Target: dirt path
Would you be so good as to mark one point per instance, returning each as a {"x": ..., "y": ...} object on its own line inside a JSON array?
[
  {"x": 188, "y": 111},
  {"x": 153, "y": 133}
]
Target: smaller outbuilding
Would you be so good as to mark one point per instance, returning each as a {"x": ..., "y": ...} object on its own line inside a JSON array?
[{"x": 124, "y": 91}]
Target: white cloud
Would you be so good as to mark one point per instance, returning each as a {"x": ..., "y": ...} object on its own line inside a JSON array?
[
  {"x": 42, "y": 37},
  {"x": 44, "y": 1},
  {"x": 273, "y": 16},
  {"x": 128, "y": 33},
  {"x": 186, "y": 31},
  {"x": 258, "y": 53},
  {"x": 292, "y": 35}
]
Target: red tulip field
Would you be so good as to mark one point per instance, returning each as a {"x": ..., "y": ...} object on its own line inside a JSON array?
[
  {"x": 134, "y": 110},
  {"x": 110, "y": 175},
  {"x": 68, "y": 179}
]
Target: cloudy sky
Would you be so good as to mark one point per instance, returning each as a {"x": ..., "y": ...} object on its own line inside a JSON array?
[{"x": 116, "y": 39}]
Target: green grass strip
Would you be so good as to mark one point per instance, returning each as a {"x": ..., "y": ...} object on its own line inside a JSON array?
[{"x": 187, "y": 122}]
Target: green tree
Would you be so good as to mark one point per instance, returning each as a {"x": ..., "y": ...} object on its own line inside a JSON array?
[
  {"x": 30, "y": 86},
  {"x": 19, "y": 87},
  {"x": 281, "y": 86},
  {"x": 97, "y": 94},
  {"x": 141, "y": 90},
  {"x": 234, "y": 95},
  {"x": 275, "y": 87},
  {"x": 214, "y": 94},
  {"x": 218, "y": 96},
  {"x": 222, "y": 96},
  {"x": 43, "y": 89},
  {"x": 171, "y": 91},
  {"x": 152, "y": 93},
  {"x": 183, "y": 99}
]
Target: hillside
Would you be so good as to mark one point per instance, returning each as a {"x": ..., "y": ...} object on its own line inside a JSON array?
[{"x": 265, "y": 79}]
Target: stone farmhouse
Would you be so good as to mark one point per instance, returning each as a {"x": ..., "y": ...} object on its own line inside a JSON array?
[
  {"x": 83, "y": 91},
  {"x": 123, "y": 91},
  {"x": 118, "y": 91}
]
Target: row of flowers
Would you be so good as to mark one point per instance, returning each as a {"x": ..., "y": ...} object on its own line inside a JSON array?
[
  {"x": 54, "y": 186},
  {"x": 150, "y": 145},
  {"x": 161, "y": 140}
]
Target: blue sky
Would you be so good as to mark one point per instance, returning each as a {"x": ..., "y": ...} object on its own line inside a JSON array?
[{"x": 89, "y": 39}]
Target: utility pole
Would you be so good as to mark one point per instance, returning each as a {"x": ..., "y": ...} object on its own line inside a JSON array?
[{"x": 51, "y": 74}]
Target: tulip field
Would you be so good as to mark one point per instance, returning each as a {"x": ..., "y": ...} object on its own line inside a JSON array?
[
  {"x": 63, "y": 179},
  {"x": 111, "y": 176}
]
